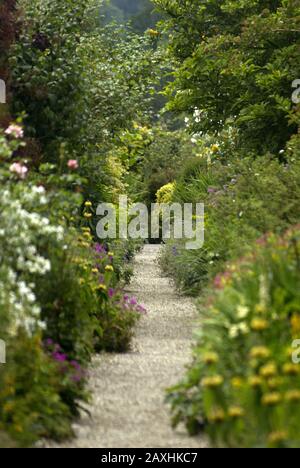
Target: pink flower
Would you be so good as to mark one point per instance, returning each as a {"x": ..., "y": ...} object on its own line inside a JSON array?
[
  {"x": 73, "y": 164},
  {"x": 19, "y": 169},
  {"x": 15, "y": 131}
]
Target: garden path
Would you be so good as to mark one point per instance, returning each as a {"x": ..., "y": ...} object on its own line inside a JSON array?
[{"x": 128, "y": 409}]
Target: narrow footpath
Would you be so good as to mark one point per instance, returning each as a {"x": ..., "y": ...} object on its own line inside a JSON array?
[{"x": 128, "y": 408}]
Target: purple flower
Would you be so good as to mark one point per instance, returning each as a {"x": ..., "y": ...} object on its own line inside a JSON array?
[
  {"x": 59, "y": 357},
  {"x": 175, "y": 251},
  {"x": 76, "y": 378},
  {"x": 76, "y": 365},
  {"x": 49, "y": 342},
  {"x": 211, "y": 190},
  {"x": 126, "y": 298},
  {"x": 141, "y": 309},
  {"x": 133, "y": 301},
  {"x": 99, "y": 248},
  {"x": 111, "y": 292}
]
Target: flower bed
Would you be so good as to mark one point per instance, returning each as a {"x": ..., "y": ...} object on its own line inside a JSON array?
[{"x": 243, "y": 386}]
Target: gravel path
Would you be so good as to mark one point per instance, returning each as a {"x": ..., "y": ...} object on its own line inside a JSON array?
[{"x": 128, "y": 409}]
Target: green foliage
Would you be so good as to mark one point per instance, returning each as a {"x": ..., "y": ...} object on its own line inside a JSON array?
[
  {"x": 31, "y": 406},
  {"x": 236, "y": 61},
  {"x": 152, "y": 157},
  {"x": 243, "y": 200},
  {"x": 243, "y": 385},
  {"x": 47, "y": 71},
  {"x": 58, "y": 297}
]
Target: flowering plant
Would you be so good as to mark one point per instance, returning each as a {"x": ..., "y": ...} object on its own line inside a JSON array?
[
  {"x": 23, "y": 235},
  {"x": 244, "y": 383}
]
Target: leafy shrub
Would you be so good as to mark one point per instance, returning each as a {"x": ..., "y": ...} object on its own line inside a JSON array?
[
  {"x": 243, "y": 386},
  {"x": 118, "y": 313},
  {"x": 30, "y": 384},
  {"x": 60, "y": 298},
  {"x": 165, "y": 193},
  {"x": 243, "y": 200},
  {"x": 251, "y": 49}
]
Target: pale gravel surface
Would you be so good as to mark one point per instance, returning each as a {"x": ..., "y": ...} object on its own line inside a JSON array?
[{"x": 128, "y": 408}]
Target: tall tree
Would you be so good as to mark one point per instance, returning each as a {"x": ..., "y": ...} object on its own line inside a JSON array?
[{"x": 236, "y": 61}]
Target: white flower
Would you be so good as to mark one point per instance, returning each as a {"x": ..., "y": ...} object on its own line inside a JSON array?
[
  {"x": 19, "y": 169},
  {"x": 242, "y": 312}
]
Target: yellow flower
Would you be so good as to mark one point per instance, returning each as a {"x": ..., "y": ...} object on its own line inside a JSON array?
[
  {"x": 152, "y": 32},
  {"x": 102, "y": 287},
  {"x": 88, "y": 204},
  {"x": 291, "y": 369},
  {"x": 270, "y": 370},
  {"x": 8, "y": 407},
  {"x": 292, "y": 395},
  {"x": 211, "y": 382},
  {"x": 88, "y": 215},
  {"x": 274, "y": 383},
  {"x": 77, "y": 260},
  {"x": 277, "y": 437},
  {"x": 260, "y": 352},
  {"x": 295, "y": 322},
  {"x": 255, "y": 381},
  {"x": 18, "y": 428},
  {"x": 95, "y": 270},
  {"x": 271, "y": 399},
  {"x": 260, "y": 309},
  {"x": 81, "y": 281},
  {"x": 110, "y": 254},
  {"x": 85, "y": 244},
  {"x": 86, "y": 229},
  {"x": 259, "y": 324},
  {"x": 210, "y": 358},
  {"x": 109, "y": 268},
  {"x": 216, "y": 416},
  {"x": 215, "y": 148},
  {"x": 236, "y": 412},
  {"x": 237, "y": 382}
]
